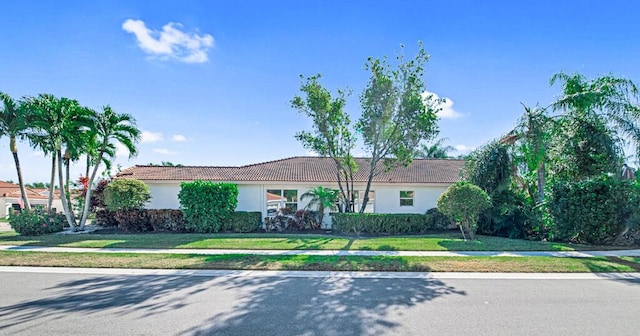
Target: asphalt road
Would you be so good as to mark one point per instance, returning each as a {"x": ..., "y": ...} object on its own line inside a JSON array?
[{"x": 94, "y": 304}]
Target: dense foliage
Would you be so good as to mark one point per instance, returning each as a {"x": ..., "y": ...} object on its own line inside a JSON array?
[
  {"x": 463, "y": 202},
  {"x": 243, "y": 221},
  {"x": 301, "y": 220},
  {"x": 387, "y": 223},
  {"x": 34, "y": 222},
  {"x": 593, "y": 211},
  {"x": 125, "y": 194},
  {"x": 207, "y": 205}
]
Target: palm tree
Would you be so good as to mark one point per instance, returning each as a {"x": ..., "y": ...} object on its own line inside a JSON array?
[
  {"x": 46, "y": 146},
  {"x": 110, "y": 128},
  {"x": 435, "y": 150},
  {"x": 321, "y": 199},
  {"x": 14, "y": 124},
  {"x": 59, "y": 122},
  {"x": 613, "y": 99}
]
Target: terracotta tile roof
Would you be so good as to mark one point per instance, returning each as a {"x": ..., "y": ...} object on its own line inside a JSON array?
[
  {"x": 13, "y": 190},
  {"x": 301, "y": 169}
]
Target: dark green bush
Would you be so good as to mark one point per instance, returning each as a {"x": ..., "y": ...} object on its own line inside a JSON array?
[
  {"x": 34, "y": 222},
  {"x": 133, "y": 220},
  {"x": 242, "y": 221},
  {"x": 207, "y": 205},
  {"x": 592, "y": 211},
  {"x": 509, "y": 216},
  {"x": 126, "y": 194},
  {"x": 438, "y": 221},
  {"x": 385, "y": 223}
]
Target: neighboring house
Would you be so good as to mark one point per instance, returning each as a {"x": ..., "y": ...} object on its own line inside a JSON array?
[
  {"x": 10, "y": 198},
  {"x": 269, "y": 186}
]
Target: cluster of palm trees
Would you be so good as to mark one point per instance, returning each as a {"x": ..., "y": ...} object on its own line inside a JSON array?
[{"x": 66, "y": 131}]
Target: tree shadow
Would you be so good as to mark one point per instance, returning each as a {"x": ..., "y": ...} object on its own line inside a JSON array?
[
  {"x": 95, "y": 294},
  {"x": 263, "y": 305},
  {"x": 595, "y": 266},
  {"x": 321, "y": 306}
]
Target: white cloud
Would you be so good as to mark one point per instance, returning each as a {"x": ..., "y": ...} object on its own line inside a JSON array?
[
  {"x": 446, "y": 105},
  {"x": 121, "y": 151},
  {"x": 164, "y": 151},
  {"x": 171, "y": 42},
  {"x": 179, "y": 138},
  {"x": 464, "y": 149},
  {"x": 38, "y": 153},
  {"x": 150, "y": 137}
]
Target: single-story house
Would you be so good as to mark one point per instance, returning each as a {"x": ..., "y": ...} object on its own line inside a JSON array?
[
  {"x": 10, "y": 198},
  {"x": 269, "y": 186}
]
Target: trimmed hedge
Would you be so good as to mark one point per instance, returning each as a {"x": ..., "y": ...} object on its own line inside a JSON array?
[
  {"x": 171, "y": 220},
  {"x": 126, "y": 194},
  {"x": 207, "y": 205},
  {"x": 386, "y": 223},
  {"x": 34, "y": 222},
  {"x": 242, "y": 221}
]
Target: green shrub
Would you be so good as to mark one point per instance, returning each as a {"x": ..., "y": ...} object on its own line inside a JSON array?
[
  {"x": 33, "y": 223},
  {"x": 302, "y": 220},
  {"x": 437, "y": 220},
  {"x": 207, "y": 205},
  {"x": 510, "y": 216},
  {"x": 126, "y": 194},
  {"x": 384, "y": 223},
  {"x": 463, "y": 202},
  {"x": 242, "y": 221},
  {"x": 592, "y": 211}
]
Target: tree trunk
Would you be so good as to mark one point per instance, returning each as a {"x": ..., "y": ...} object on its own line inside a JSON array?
[
  {"x": 67, "y": 163},
  {"x": 52, "y": 184},
  {"x": 541, "y": 182},
  {"x": 23, "y": 191},
  {"x": 63, "y": 195},
  {"x": 87, "y": 199},
  {"x": 365, "y": 199}
]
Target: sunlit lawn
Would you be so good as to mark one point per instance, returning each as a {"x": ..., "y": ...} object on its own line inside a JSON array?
[
  {"x": 320, "y": 263},
  {"x": 438, "y": 242}
]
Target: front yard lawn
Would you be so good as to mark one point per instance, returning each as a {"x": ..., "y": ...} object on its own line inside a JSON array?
[
  {"x": 322, "y": 263},
  {"x": 436, "y": 242}
]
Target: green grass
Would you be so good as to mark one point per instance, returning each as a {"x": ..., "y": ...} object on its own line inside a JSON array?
[
  {"x": 321, "y": 263},
  {"x": 438, "y": 242}
]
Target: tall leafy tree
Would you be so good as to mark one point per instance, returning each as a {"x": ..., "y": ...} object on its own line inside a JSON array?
[
  {"x": 321, "y": 198},
  {"x": 395, "y": 117},
  {"x": 14, "y": 125},
  {"x": 110, "y": 128},
  {"x": 331, "y": 135}
]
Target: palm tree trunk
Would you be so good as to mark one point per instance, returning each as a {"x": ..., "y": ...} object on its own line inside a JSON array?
[
  {"x": 67, "y": 161},
  {"x": 52, "y": 184},
  {"x": 23, "y": 191},
  {"x": 87, "y": 199},
  {"x": 63, "y": 195}
]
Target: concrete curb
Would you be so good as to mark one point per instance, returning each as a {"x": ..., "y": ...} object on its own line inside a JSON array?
[{"x": 562, "y": 254}]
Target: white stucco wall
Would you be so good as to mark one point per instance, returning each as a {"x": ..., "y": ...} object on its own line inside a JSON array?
[{"x": 252, "y": 197}]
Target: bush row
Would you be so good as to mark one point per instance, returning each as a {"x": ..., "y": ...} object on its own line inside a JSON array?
[
  {"x": 170, "y": 220},
  {"x": 389, "y": 223},
  {"x": 35, "y": 222}
]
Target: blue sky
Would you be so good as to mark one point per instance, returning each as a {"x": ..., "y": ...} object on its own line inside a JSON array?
[{"x": 221, "y": 76}]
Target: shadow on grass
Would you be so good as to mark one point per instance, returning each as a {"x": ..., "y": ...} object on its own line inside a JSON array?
[{"x": 228, "y": 305}]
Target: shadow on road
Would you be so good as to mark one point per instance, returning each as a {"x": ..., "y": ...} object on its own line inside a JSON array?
[
  {"x": 321, "y": 306},
  {"x": 260, "y": 305},
  {"x": 95, "y": 294}
]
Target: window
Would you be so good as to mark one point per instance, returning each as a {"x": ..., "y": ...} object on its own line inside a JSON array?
[
  {"x": 406, "y": 198},
  {"x": 370, "y": 208},
  {"x": 281, "y": 201}
]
